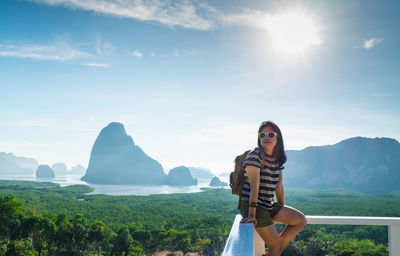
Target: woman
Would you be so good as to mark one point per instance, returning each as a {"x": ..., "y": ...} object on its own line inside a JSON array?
[{"x": 263, "y": 177}]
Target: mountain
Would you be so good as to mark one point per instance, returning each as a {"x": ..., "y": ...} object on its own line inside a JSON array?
[
  {"x": 44, "y": 171},
  {"x": 216, "y": 182},
  {"x": 60, "y": 169},
  {"x": 369, "y": 165},
  {"x": 115, "y": 159},
  {"x": 23, "y": 162},
  {"x": 14, "y": 165},
  {"x": 180, "y": 176},
  {"x": 200, "y": 173},
  {"x": 77, "y": 170}
]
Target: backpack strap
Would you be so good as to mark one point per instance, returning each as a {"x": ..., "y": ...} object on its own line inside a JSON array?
[{"x": 262, "y": 166}]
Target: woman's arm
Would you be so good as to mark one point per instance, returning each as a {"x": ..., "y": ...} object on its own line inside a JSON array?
[
  {"x": 253, "y": 175},
  {"x": 280, "y": 195}
]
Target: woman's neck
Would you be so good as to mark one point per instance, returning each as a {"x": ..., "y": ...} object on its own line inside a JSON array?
[{"x": 268, "y": 151}]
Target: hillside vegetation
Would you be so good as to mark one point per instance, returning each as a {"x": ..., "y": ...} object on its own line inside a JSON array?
[{"x": 46, "y": 219}]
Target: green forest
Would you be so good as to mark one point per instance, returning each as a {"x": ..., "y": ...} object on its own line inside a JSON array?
[{"x": 47, "y": 219}]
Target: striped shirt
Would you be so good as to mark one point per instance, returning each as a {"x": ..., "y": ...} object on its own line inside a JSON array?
[{"x": 269, "y": 176}]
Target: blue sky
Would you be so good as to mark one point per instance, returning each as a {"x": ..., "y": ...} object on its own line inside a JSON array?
[{"x": 192, "y": 80}]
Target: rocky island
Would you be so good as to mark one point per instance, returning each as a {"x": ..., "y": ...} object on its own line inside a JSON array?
[
  {"x": 216, "y": 182},
  {"x": 116, "y": 159},
  {"x": 180, "y": 176},
  {"x": 44, "y": 171}
]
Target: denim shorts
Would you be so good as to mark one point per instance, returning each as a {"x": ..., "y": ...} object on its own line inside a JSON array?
[{"x": 263, "y": 216}]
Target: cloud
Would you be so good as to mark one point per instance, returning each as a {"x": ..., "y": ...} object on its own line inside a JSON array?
[
  {"x": 93, "y": 64},
  {"x": 175, "y": 53},
  {"x": 178, "y": 53},
  {"x": 184, "y": 13},
  {"x": 223, "y": 141},
  {"x": 369, "y": 43},
  {"x": 137, "y": 53},
  {"x": 103, "y": 47},
  {"x": 249, "y": 18},
  {"x": 297, "y": 137},
  {"x": 219, "y": 134},
  {"x": 58, "y": 51},
  {"x": 85, "y": 130},
  {"x": 29, "y": 123},
  {"x": 191, "y": 14},
  {"x": 381, "y": 94}
]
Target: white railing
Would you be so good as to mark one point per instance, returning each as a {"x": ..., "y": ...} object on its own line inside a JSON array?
[{"x": 243, "y": 239}]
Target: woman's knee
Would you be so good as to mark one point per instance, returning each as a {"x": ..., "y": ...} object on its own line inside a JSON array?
[
  {"x": 302, "y": 221},
  {"x": 277, "y": 246}
]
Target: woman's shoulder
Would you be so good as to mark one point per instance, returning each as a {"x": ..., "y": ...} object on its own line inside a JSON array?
[
  {"x": 255, "y": 153},
  {"x": 253, "y": 158}
]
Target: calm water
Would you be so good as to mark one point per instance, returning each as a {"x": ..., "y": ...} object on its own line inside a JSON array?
[{"x": 117, "y": 189}]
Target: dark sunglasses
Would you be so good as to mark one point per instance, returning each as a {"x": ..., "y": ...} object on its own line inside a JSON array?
[{"x": 262, "y": 135}]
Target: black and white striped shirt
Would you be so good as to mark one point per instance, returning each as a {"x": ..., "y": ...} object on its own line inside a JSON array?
[{"x": 269, "y": 176}]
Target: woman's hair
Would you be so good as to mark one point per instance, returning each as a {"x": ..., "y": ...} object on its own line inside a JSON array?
[{"x": 279, "y": 150}]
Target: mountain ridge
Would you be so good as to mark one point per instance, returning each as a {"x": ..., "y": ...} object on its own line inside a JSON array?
[{"x": 370, "y": 165}]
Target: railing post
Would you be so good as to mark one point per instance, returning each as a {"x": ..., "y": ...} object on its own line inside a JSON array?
[
  {"x": 259, "y": 244},
  {"x": 394, "y": 240},
  {"x": 240, "y": 240},
  {"x": 244, "y": 240}
]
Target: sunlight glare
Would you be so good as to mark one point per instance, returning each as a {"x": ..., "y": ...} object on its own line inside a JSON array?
[{"x": 293, "y": 33}]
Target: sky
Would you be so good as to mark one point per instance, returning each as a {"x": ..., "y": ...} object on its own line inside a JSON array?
[{"x": 192, "y": 80}]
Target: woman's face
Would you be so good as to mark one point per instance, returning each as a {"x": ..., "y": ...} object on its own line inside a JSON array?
[{"x": 267, "y": 142}]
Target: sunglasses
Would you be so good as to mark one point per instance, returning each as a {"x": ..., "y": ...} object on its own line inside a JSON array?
[{"x": 262, "y": 135}]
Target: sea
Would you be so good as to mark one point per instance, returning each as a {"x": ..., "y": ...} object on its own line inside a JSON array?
[{"x": 118, "y": 190}]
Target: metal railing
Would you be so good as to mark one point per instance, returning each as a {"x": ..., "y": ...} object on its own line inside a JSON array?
[{"x": 243, "y": 239}]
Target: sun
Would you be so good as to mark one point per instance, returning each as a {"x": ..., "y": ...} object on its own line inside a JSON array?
[{"x": 293, "y": 33}]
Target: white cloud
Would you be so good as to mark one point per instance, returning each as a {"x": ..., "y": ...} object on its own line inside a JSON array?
[
  {"x": 212, "y": 146},
  {"x": 85, "y": 130},
  {"x": 29, "y": 123},
  {"x": 297, "y": 137},
  {"x": 137, "y": 53},
  {"x": 94, "y": 64},
  {"x": 175, "y": 53},
  {"x": 249, "y": 18},
  {"x": 191, "y": 14},
  {"x": 369, "y": 43},
  {"x": 234, "y": 134},
  {"x": 178, "y": 53},
  {"x": 381, "y": 94},
  {"x": 103, "y": 47},
  {"x": 182, "y": 13},
  {"x": 58, "y": 51}
]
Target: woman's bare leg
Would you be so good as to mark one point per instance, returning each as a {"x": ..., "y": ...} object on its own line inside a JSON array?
[
  {"x": 271, "y": 236},
  {"x": 295, "y": 221}
]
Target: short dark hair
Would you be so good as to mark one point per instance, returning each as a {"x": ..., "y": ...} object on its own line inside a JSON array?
[{"x": 279, "y": 150}]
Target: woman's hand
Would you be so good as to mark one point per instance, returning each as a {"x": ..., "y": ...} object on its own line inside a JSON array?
[{"x": 249, "y": 219}]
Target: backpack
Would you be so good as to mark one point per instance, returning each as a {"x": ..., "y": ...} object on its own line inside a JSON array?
[{"x": 236, "y": 178}]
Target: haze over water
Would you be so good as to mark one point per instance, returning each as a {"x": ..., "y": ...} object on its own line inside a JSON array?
[{"x": 116, "y": 190}]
